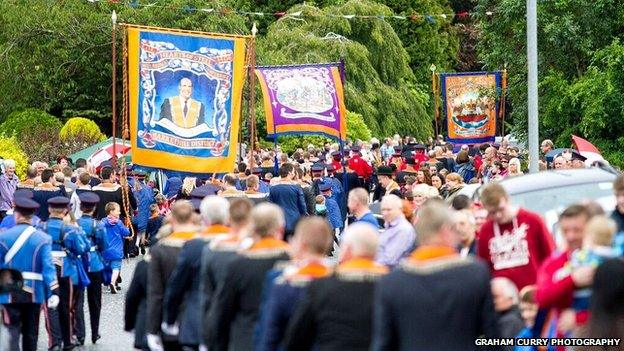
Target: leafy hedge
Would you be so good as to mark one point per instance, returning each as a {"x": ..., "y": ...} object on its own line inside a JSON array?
[{"x": 10, "y": 149}]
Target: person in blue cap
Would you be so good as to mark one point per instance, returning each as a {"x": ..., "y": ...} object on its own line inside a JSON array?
[
  {"x": 333, "y": 211},
  {"x": 144, "y": 196},
  {"x": 68, "y": 244},
  {"x": 27, "y": 250},
  {"x": 337, "y": 190},
  {"x": 95, "y": 233},
  {"x": 9, "y": 221}
]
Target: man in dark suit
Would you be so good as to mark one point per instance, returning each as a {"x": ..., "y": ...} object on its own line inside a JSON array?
[
  {"x": 336, "y": 312},
  {"x": 163, "y": 261},
  {"x": 236, "y": 305},
  {"x": 182, "y": 110},
  {"x": 455, "y": 292},
  {"x": 288, "y": 195},
  {"x": 182, "y": 296}
]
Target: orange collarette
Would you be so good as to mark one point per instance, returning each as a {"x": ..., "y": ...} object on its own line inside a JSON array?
[
  {"x": 183, "y": 235},
  {"x": 215, "y": 229},
  {"x": 312, "y": 270},
  {"x": 431, "y": 252},
  {"x": 269, "y": 243},
  {"x": 361, "y": 265}
]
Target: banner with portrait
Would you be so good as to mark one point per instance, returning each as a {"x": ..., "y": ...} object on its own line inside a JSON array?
[
  {"x": 470, "y": 105},
  {"x": 304, "y": 99},
  {"x": 185, "y": 92}
]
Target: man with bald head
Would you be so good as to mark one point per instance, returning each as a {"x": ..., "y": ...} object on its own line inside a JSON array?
[
  {"x": 358, "y": 206},
  {"x": 336, "y": 312},
  {"x": 398, "y": 238},
  {"x": 453, "y": 290},
  {"x": 182, "y": 110}
]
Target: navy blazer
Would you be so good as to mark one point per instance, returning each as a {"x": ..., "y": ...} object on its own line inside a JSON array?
[{"x": 291, "y": 199}]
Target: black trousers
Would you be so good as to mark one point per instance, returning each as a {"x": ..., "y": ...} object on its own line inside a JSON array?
[
  {"x": 60, "y": 319},
  {"x": 23, "y": 319},
  {"x": 94, "y": 297},
  {"x": 78, "y": 321}
]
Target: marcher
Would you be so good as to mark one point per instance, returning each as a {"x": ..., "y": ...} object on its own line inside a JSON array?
[
  {"x": 328, "y": 316},
  {"x": 95, "y": 233},
  {"x": 217, "y": 256},
  {"x": 312, "y": 240},
  {"x": 164, "y": 256},
  {"x": 183, "y": 285},
  {"x": 289, "y": 196},
  {"x": 45, "y": 191},
  {"x": 112, "y": 254},
  {"x": 28, "y": 250},
  {"x": 68, "y": 244},
  {"x": 433, "y": 273},
  {"x": 236, "y": 304}
]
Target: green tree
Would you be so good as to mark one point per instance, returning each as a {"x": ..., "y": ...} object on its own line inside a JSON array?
[
  {"x": 20, "y": 122},
  {"x": 57, "y": 54},
  {"x": 569, "y": 35},
  {"x": 356, "y": 127},
  {"x": 379, "y": 82},
  {"x": 427, "y": 40}
]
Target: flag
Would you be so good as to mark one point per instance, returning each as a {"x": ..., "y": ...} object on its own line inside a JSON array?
[
  {"x": 470, "y": 105},
  {"x": 587, "y": 149},
  {"x": 304, "y": 99},
  {"x": 185, "y": 92}
]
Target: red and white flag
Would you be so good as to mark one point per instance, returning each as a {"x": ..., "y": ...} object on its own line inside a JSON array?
[{"x": 587, "y": 149}]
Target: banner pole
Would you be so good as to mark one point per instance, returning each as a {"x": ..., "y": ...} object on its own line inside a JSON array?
[
  {"x": 252, "y": 95},
  {"x": 114, "y": 89}
]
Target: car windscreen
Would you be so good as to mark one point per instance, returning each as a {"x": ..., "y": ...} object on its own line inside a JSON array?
[{"x": 558, "y": 198}]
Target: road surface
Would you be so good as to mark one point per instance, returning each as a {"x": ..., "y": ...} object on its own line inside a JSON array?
[{"x": 114, "y": 338}]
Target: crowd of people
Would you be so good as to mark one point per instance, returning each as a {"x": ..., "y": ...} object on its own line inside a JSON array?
[{"x": 284, "y": 253}]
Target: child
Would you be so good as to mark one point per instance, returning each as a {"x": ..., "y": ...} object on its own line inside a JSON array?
[
  {"x": 596, "y": 249},
  {"x": 115, "y": 232},
  {"x": 320, "y": 209},
  {"x": 153, "y": 225},
  {"x": 163, "y": 205}
]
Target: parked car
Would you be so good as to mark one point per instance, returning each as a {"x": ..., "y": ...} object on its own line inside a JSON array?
[{"x": 548, "y": 193}]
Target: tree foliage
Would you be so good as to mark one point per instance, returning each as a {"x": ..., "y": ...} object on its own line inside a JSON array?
[
  {"x": 356, "y": 128},
  {"x": 579, "y": 53},
  {"x": 427, "y": 40},
  {"x": 379, "y": 82},
  {"x": 81, "y": 127},
  {"x": 20, "y": 122},
  {"x": 57, "y": 54}
]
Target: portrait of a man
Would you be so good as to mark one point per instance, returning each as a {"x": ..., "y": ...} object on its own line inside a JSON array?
[{"x": 182, "y": 110}]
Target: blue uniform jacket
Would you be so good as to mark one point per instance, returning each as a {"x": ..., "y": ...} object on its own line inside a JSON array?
[
  {"x": 34, "y": 257},
  {"x": 339, "y": 196},
  {"x": 333, "y": 213},
  {"x": 279, "y": 302},
  {"x": 290, "y": 198},
  {"x": 95, "y": 233},
  {"x": 144, "y": 197},
  {"x": 8, "y": 222},
  {"x": 68, "y": 244}
]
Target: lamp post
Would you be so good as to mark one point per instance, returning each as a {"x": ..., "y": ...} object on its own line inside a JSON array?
[
  {"x": 532, "y": 85},
  {"x": 114, "y": 92}
]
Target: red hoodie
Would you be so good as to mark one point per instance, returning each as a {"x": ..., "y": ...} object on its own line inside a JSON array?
[
  {"x": 555, "y": 287},
  {"x": 518, "y": 249}
]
